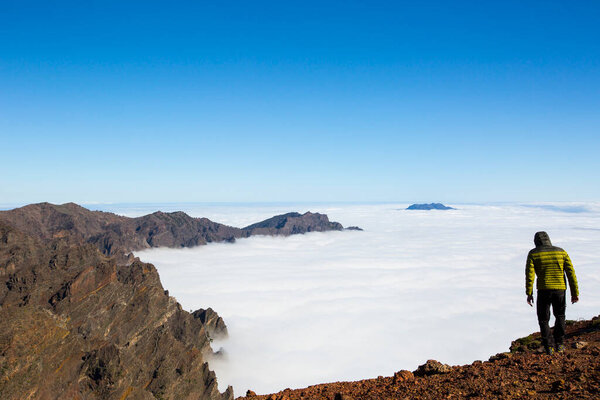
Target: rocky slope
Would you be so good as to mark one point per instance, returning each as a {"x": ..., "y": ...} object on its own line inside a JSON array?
[
  {"x": 112, "y": 233},
  {"x": 83, "y": 319},
  {"x": 76, "y": 324},
  {"x": 522, "y": 373}
]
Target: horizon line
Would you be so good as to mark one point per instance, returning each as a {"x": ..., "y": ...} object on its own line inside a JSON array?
[{"x": 7, "y": 206}]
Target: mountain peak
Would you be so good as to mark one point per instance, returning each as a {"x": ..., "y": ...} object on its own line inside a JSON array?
[{"x": 430, "y": 206}]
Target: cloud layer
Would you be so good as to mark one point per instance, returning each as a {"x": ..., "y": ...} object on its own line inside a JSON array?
[{"x": 351, "y": 305}]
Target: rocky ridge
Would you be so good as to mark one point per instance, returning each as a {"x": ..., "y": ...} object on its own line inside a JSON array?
[
  {"x": 84, "y": 319},
  {"x": 292, "y": 223},
  {"x": 524, "y": 372},
  {"x": 112, "y": 233}
]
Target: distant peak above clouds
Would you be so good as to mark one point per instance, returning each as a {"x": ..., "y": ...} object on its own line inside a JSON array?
[
  {"x": 292, "y": 223},
  {"x": 430, "y": 206}
]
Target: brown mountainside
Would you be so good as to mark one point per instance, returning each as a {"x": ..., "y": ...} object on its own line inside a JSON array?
[
  {"x": 83, "y": 319},
  {"x": 111, "y": 232},
  {"x": 76, "y": 324}
]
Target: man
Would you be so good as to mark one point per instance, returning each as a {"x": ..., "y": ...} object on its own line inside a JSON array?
[{"x": 549, "y": 264}]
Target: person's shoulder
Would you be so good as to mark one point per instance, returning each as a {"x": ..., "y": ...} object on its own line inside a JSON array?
[
  {"x": 556, "y": 249},
  {"x": 546, "y": 249}
]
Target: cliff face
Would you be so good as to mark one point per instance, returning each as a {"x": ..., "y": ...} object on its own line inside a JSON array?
[
  {"x": 82, "y": 318},
  {"x": 77, "y": 324},
  {"x": 214, "y": 325}
]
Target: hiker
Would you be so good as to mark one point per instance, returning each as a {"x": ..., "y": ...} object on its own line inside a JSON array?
[{"x": 549, "y": 264}]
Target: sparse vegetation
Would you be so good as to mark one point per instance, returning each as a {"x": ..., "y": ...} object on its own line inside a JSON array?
[{"x": 531, "y": 342}]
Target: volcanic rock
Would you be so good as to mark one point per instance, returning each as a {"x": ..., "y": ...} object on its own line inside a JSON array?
[
  {"x": 524, "y": 374},
  {"x": 432, "y": 367},
  {"x": 214, "y": 324},
  {"x": 341, "y": 396},
  {"x": 75, "y": 323},
  {"x": 403, "y": 376},
  {"x": 83, "y": 318}
]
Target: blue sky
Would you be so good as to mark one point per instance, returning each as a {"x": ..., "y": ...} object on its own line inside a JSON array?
[{"x": 299, "y": 101}]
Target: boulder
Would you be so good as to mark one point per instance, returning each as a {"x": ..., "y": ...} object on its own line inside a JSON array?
[
  {"x": 403, "y": 376},
  {"x": 432, "y": 367}
]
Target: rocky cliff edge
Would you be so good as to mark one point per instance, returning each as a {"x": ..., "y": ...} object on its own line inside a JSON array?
[{"x": 84, "y": 319}]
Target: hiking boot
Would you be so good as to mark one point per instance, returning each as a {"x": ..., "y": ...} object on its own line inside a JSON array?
[
  {"x": 561, "y": 348},
  {"x": 550, "y": 350}
]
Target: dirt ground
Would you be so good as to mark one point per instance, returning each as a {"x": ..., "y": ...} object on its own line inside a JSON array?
[{"x": 523, "y": 373}]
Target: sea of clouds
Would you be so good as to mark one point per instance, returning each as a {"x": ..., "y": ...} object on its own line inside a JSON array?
[{"x": 350, "y": 305}]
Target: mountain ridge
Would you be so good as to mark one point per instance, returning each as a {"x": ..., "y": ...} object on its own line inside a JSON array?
[
  {"x": 109, "y": 231},
  {"x": 83, "y": 318}
]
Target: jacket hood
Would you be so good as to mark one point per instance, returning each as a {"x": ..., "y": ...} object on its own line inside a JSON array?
[{"x": 542, "y": 239}]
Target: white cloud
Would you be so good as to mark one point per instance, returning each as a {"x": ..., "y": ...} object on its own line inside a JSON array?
[{"x": 350, "y": 305}]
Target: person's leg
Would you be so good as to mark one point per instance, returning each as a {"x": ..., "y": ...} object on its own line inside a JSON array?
[
  {"x": 559, "y": 306},
  {"x": 543, "y": 314}
]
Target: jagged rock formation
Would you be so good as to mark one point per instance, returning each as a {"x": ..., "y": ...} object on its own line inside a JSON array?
[
  {"x": 524, "y": 373},
  {"x": 292, "y": 223},
  {"x": 77, "y": 324},
  {"x": 82, "y": 318},
  {"x": 214, "y": 324},
  {"x": 430, "y": 206}
]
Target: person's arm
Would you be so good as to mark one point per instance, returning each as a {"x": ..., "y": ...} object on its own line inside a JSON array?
[
  {"x": 570, "y": 271},
  {"x": 529, "y": 278}
]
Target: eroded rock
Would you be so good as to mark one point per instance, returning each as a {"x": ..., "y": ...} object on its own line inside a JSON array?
[{"x": 432, "y": 367}]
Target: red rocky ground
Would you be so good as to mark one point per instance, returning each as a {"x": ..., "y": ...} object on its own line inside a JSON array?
[{"x": 523, "y": 373}]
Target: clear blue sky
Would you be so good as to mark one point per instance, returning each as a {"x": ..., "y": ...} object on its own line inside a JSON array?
[{"x": 125, "y": 101}]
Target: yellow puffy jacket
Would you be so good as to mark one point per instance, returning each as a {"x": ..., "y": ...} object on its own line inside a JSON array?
[{"x": 549, "y": 263}]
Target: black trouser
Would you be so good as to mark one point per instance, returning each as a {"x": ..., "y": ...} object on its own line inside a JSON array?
[{"x": 556, "y": 298}]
